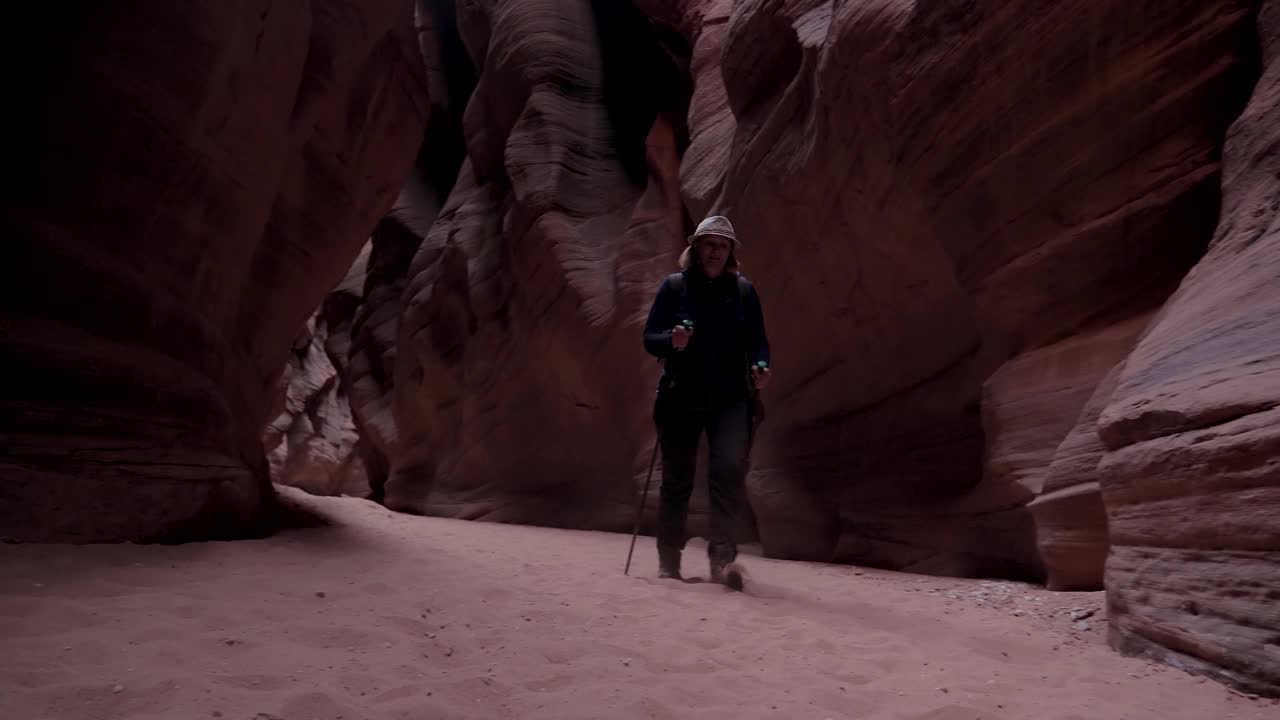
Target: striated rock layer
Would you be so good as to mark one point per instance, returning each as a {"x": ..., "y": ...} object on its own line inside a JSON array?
[
  {"x": 196, "y": 176},
  {"x": 522, "y": 307},
  {"x": 1029, "y": 406},
  {"x": 928, "y": 192},
  {"x": 1071, "y": 523},
  {"x": 313, "y": 443},
  {"x": 932, "y": 189},
  {"x": 1191, "y": 476}
]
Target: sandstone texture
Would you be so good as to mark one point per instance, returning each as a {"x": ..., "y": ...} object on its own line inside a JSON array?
[
  {"x": 1191, "y": 476},
  {"x": 313, "y": 443},
  {"x": 1028, "y": 407},
  {"x": 1071, "y": 524},
  {"x": 519, "y": 392},
  {"x": 930, "y": 190},
  {"x": 958, "y": 216},
  {"x": 195, "y": 176},
  {"x": 1071, "y": 521},
  {"x": 1009, "y": 340}
]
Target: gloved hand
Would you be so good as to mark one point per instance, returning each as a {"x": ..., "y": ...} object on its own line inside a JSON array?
[
  {"x": 680, "y": 335},
  {"x": 760, "y": 375}
]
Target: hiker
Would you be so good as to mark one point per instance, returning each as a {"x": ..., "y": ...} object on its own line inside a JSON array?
[{"x": 707, "y": 326}]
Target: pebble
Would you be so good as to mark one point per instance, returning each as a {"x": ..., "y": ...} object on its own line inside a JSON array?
[
  {"x": 117, "y": 689},
  {"x": 319, "y": 593},
  {"x": 1082, "y": 626}
]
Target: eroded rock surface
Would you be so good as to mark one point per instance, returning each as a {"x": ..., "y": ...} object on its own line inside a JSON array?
[
  {"x": 1071, "y": 523},
  {"x": 1191, "y": 477},
  {"x": 933, "y": 189},
  {"x": 919, "y": 208},
  {"x": 313, "y": 443},
  {"x": 523, "y": 304},
  {"x": 196, "y": 176}
]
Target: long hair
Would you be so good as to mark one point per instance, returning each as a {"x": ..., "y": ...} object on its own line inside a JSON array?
[{"x": 690, "y": 259}]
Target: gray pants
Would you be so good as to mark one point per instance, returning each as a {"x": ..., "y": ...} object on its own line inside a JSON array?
[{"x": 728, "y": 434}]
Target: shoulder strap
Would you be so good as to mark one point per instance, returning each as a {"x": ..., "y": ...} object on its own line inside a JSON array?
[{"x": 676, "y": 282}]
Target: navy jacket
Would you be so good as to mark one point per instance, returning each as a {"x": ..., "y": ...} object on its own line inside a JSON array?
[{"x": 728, "y": 337}]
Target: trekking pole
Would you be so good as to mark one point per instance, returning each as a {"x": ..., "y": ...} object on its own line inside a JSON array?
[
  {"x": 644, "y": 494},
  {"x": 640, "y": 506}
]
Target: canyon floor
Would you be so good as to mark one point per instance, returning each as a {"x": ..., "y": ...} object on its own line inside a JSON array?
[{"x": 361, "y": 613}]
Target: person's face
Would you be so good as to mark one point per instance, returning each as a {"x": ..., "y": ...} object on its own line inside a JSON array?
[{"x": 713, "y": 252}]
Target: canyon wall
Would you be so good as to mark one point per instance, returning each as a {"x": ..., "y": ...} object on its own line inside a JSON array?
[
  {"x": 963, "y": 218},
  {"x": 966, "y": 220},
  {"x": 1008, "y": 339},
  {"x": 521, "y": 311},
  {"x": 195, "y": 177},
  {"x": 939, "y": 188},
  {"x": 927, "y": 192},
  {"x": 1191, "y": 474}
]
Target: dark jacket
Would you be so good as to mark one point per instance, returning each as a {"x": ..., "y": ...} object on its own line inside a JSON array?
[{"x": 728, "y": 337}]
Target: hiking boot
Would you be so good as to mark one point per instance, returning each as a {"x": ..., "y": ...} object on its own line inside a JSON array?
[
  {"x": 733, "y": 577},
  {"x": 728, "y": 574},
  {"x": 717, "y": 570},
  {"x": 668, "y": 562}
]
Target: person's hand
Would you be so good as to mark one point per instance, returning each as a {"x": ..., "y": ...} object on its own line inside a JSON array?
[
  {"x": 680, "y": 337},
  {"x": 760, "y": 376}
]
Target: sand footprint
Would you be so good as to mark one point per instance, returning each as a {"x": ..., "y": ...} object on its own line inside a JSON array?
[
  {"x": 650, "y": 708},
  {"x": 396, "y": 694},
  {"x": 412, "y": 626},
  {"x": 109, "y": 700},
  {"x": 315, "y": 704},
  {"x": 948, "y": 712},
  {"x": 324, "y": 637},
  {"x": 266, "y": 683},
  {"x": 549, "y": 684},
  {"x": 378, "y": 588}
]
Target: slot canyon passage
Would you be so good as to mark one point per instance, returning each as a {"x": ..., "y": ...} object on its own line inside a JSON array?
[{"x": 325, "y": 395}]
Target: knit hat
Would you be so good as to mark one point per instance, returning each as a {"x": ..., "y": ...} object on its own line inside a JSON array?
[{"x": 716, "y": 225}]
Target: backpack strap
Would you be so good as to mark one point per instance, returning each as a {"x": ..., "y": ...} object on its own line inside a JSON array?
[{"x": 675, "y": 281}]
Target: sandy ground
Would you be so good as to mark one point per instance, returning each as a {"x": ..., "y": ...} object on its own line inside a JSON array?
[{"x": 377, "y": 615}]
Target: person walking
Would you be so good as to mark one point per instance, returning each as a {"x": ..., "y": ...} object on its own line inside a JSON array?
[{"x": 707, "y": 326}]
